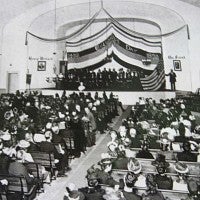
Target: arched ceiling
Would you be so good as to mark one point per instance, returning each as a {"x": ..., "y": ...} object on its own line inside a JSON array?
[
  {"x": 13, "y": 8},
  {"x": 66, "y": 14}
]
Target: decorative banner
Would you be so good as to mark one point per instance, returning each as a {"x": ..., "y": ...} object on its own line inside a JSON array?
[
  {"x": 28, "y": 79},
  {"x": 73, "y": 57}
]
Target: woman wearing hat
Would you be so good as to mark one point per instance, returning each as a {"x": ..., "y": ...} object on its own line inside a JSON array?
[
  {"x": 135, "y": 166},
  {"x": 93, "y": 191},
  {"x": 181, "y": 183},
  {"x": 152, "y": 193},
  {"x": 129, "y": 181},
  {"x": 162, "y": 180},
  {"x": 72, "y": 193},
  {"x": 193, "y": 188}
]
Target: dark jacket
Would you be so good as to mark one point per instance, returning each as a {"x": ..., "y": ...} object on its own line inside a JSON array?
[
  {"x": 164, "y": 182},
  {"x": 131, "y": 196},
  {"x": 18, "y": 169}
]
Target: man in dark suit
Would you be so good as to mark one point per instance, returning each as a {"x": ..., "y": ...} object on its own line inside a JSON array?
[
  {"x": 172, "y": 79},
  {"x": 59, "y": 154},
  {"x": 4, "y": 160},
  {"x": 16, "y": 168}
]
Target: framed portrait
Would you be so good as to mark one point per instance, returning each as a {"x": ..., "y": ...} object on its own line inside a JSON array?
[
  {"x": 41, "y": 66},
  {"x": 177, "y": 65}
]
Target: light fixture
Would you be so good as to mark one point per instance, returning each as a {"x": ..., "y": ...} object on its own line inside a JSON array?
[{"x": 55, "y": 16}]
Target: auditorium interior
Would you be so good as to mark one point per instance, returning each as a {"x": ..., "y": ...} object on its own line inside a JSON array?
[{"x": 100, "y": 100}]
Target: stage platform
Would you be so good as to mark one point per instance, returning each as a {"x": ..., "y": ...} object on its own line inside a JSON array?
[{"x": 127, "y": 98}]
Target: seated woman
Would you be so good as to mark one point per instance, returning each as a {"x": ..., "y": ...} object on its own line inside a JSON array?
[
  {"x": 181, "y": 138},
  {"x": 144, "y": 153},
  {"x": 72, "y": 193},
  {"x": 187, "y": 155},
  {"x": 162, "y": 180},
  {"x": 93, "y": 191},
  {"x": 128, "y": 192},
  {"x": 16, "y": 168},
  {"x": 135, "y": 167},
  {"x": 181, "y": 183},
  {"x": 152, "y": 193},
  {"x": 193, "y": 190}
]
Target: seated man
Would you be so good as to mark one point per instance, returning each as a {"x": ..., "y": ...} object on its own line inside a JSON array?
[
  {"x": 59, "y": 154},
  {"x": 4, "y": 160},
  {"x": 16, "y": 168}
]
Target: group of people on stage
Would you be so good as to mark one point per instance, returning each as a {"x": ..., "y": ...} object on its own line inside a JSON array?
[
  {"x": 102, "y": 79},
  {"x": 168, "y": 127},
  {"x": 62, "y": 125},
  {"x": 105, "y": 79}
]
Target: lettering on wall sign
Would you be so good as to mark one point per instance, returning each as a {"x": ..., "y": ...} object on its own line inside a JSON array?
[
  {"x": 176, "y": 57},
  {"x": 40, "y": 58}
]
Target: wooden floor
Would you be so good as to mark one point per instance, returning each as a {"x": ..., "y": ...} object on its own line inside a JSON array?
[{"x": 79, "y": 166}]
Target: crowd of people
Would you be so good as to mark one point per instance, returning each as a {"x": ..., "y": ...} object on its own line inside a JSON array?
[
  {"x": 101, "y": 79},
  {"x": 62, "y": 125},
  {"x": 130, "y": 169}
]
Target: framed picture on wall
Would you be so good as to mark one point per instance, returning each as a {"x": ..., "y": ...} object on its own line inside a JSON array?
[
  {"x": 41, "y": 66},
  {"x": 177, "y": 65}
]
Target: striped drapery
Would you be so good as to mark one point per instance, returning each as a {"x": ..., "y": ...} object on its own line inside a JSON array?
[{"x": 155, "y": 80}]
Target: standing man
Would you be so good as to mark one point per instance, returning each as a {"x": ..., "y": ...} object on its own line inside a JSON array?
[{"x": 172, "y": 79}]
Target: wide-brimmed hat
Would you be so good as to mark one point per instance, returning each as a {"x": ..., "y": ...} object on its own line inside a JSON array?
[
  {"x": 39, "y": 138},
  {"x": 76, "y": 195},
  {"x": 164, "y": 141},
  {"x": 132, "y": 132},
  {"x": 181, "y": 168},
  {"x": 48, "y": 134},
  {"x": 129, "y": 179},
  {"x": 122, "y": 129},
  {"x": 6, "y": 136},
  {"x": 23, "y": 144},
  {"x": 134, "y": 166},
  {"x": 8, "y": 115},
  {"x": 112, "y": 145},
  {"x": 61, "y": 115},
  {"x": 187, "y": 123},
  {"x": 48, "y": 125},
  {"x": 145, "y": 125},
  {"x": 55, "y": 129},
  {"x": 113, "y": 134},
  {"x": 111, "y": 194}
]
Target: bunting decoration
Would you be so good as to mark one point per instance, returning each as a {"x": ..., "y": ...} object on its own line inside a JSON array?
[{"x": 136, "y": 51}]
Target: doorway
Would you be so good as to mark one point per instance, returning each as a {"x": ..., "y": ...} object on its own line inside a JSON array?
[{"x": 13, "y": 82}]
